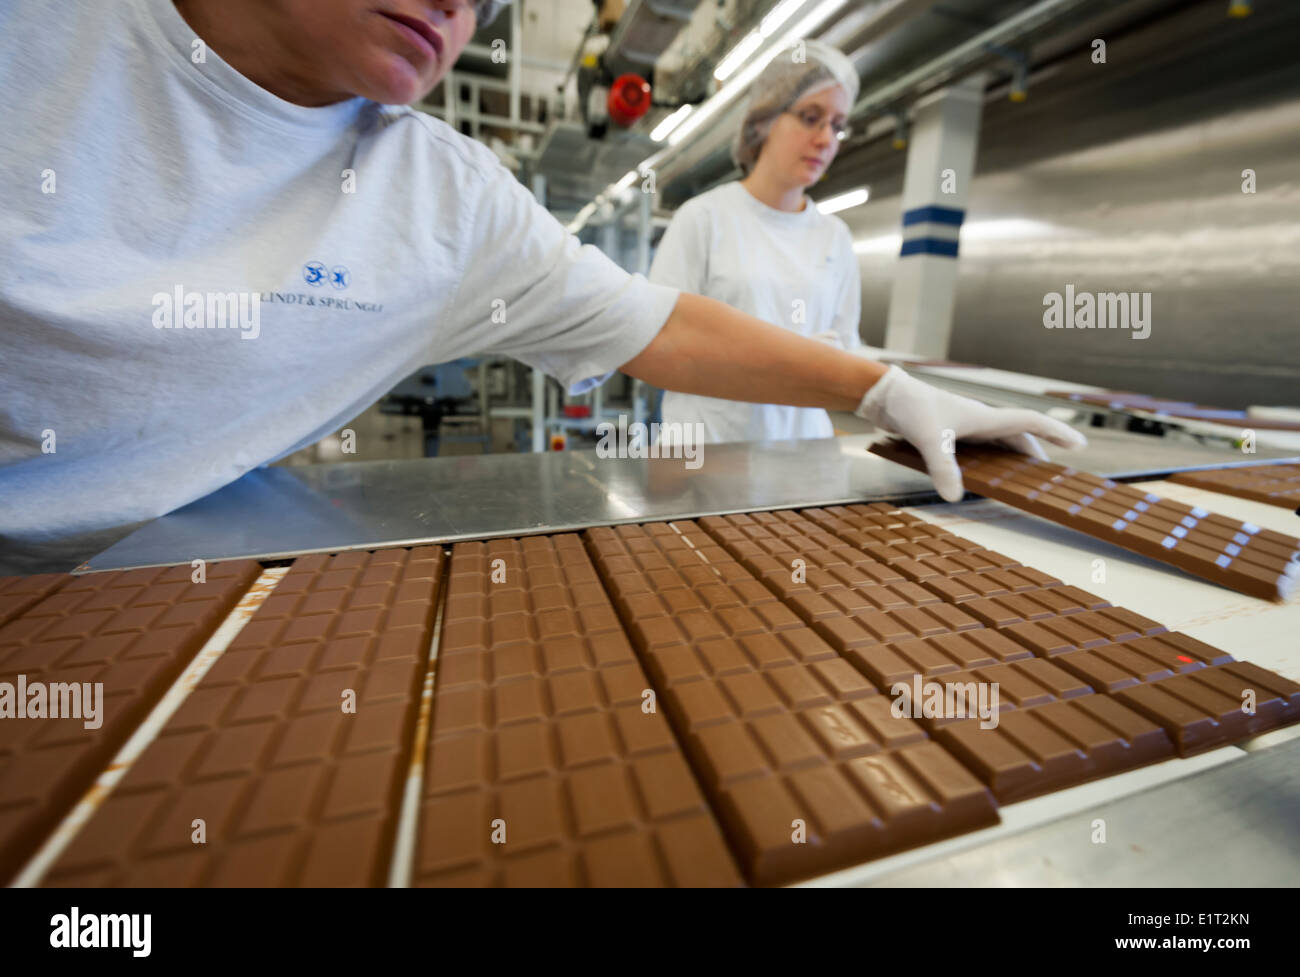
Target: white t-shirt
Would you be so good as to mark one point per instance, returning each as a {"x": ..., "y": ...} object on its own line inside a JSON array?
[
  {"x": 130, "y": 171},
  {"x": 796, "y": 270}
]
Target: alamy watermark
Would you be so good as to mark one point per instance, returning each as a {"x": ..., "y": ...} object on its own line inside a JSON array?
[
  {"x": 179, "y": 309},
  {"x": 640, "y": 440},
  {"x": 1099, "y": 310},
  {"x": 946, "y": 700},
  {"x": 78, "y": 930},
  {"x": 53, "y": 700}
]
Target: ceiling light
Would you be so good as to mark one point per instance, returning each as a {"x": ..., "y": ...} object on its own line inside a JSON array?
[
  {"x": 737, "y": 56},
  {"x": 844, "y": 201},
  {"x": 662, "y": 130}
]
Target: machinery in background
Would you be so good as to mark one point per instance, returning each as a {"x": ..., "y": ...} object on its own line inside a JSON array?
[{"x": 438, "y": 394}]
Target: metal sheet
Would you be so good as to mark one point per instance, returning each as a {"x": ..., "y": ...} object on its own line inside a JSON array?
[{"x": 277, "y": 512}]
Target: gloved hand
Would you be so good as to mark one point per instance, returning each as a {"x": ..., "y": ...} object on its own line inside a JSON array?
[{"x": 902, "y": 405}]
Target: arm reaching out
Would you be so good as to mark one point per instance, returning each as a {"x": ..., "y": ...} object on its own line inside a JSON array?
[{"x": 709, "y": 348}]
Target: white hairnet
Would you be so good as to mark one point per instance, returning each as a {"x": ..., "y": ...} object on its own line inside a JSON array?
[{"x": 781, "y": 84}]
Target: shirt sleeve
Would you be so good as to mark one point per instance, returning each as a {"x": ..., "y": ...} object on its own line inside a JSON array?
[
  {"x": 682, "y": 259},
  {"x": 848, "y": 308},
  {"x": 554, "y": 303}
]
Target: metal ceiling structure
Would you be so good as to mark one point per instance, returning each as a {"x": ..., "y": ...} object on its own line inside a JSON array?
[{"x": 902, "y": 49}]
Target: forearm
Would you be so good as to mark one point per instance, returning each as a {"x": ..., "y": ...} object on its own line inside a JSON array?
[{"x": 709, "y": 348}]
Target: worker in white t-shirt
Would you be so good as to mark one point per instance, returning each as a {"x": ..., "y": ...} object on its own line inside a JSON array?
[
  {"x": 223, "y": 236},
  {"x": 760, "y": 245}
]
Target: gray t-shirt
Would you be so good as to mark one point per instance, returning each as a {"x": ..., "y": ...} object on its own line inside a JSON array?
[{"x": 200, "y": 278}]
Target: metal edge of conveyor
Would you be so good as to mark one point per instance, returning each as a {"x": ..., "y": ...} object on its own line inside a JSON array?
[{"x": 282, "y": 513}]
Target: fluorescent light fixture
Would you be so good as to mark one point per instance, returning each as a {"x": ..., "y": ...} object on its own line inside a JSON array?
[
  {"x": 737, "y": 56},
  {"x": 815, "y": 18},
  {"x": 662, "y": 130},
  {"x": 628, "y": 179},
  {"x": 843, "y": 201},
  {"x": 779, "y": 15},
  {"x": 725, "y": 97}
]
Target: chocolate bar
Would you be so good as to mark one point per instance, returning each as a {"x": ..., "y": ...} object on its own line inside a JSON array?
[
  {"x": 898, "y": 661},
  {"x": 285, "y": 765},
  {"x": 1239, "y": 555},
  {"x": 104, "y": 643},
  {"x": 802, "y": 757},
  {"x": 1111, "y": 667},
  {"x": 1021, "y": 685},
  {"x": 1057, "y": 745},
  {"x": 545, "y": 766},
  {"x": 1271, "y": 484},
  {"x": 702, "y": 704},
  {"x": 1212, "y": 706}
]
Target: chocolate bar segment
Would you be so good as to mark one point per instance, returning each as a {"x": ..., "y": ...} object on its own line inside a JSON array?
[
  {"x": 1011, "y": 685},
  {"x": 1277, "y": 485},
  {"x": 898, "y": 661},
  {"x": 130, "y": 633},
  {"x": 1111, "y": 667},
  {"x": 807, "y": 764},
  {"x": 1239, "y": 555},
  {"x": 17, "y": 594},
  {"x": 1057, "y": 745},
  {"x": 1086, "y": 629},
  {"x": 550, "y": 761},
  {"x": 284, "y": 766},
  {"x": 1213, "y": 706}
]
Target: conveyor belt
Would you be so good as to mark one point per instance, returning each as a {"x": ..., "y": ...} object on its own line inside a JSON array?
[{"x": 696, "y": 703}]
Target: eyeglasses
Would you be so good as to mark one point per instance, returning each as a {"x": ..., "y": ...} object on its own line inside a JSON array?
[{"x": 813, "y": 119}]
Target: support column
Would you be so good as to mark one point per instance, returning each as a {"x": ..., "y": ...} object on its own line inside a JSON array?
[
  {"x": 537, "y": 389},
  {"x": 940, "y": 164}
]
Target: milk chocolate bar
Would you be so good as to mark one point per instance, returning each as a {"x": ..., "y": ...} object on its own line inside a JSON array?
[
  {"x": 802, "y": 757},
  {"x": 1057, "y": 745},
  {"x": 937, "y": 656},
  {"x": 1235, "y": 554},
  {"x": 1020, "y": 684},
  {"x": 285, "y": 765},
  {"x": 1271, "y": 484},
  {"x": 129, "y": 633},
  {"x": 550, "y": 762},
  {"x": 1212, "y": 706},
  {"x": 1111, "y": 667}
]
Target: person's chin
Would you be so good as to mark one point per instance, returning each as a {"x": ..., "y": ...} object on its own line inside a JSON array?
[{"x": 395, "y": 81}]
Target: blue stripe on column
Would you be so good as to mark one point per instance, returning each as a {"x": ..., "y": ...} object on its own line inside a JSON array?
[
  {"x": 929, "y": 245},
  {"x": 933, "y": 214}
]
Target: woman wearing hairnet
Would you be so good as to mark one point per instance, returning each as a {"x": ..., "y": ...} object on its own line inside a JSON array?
[{"x": 760, "y": 245}]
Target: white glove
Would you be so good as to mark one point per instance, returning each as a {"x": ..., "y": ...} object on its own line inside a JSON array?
[{"x": 920, "y": 413}]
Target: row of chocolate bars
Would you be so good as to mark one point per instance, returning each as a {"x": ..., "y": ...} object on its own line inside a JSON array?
[{"x": 708, "y": 702}]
